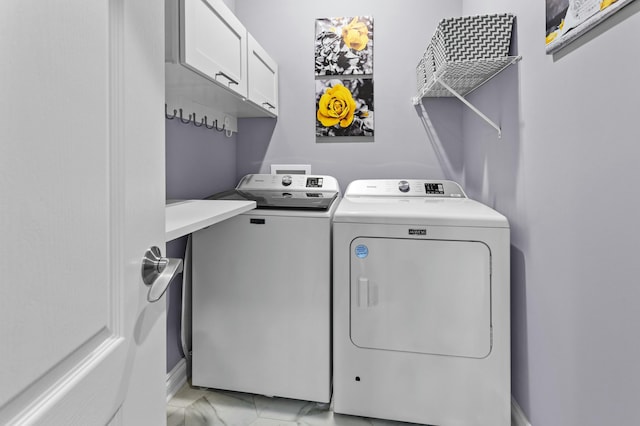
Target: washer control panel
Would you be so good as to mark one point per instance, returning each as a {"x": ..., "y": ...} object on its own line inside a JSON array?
[
  {"x": 404, "y": 188},
  {"x": 268, "y": 182}
]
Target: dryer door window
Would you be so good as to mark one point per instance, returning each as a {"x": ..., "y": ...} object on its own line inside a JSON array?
[{"x": 424, "y": 296}]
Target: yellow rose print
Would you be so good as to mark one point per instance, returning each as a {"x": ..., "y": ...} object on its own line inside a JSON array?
[
  {"x": 552, "y": 35},
  {"x": 355, "y": 34},
  {"x": 336, "y": 106}
]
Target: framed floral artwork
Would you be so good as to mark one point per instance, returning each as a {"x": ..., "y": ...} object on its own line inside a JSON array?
[
  {"x": 344, "y": 107},
  {"x": 344, "y": 46},
  {"x": 569, "y": 19}
]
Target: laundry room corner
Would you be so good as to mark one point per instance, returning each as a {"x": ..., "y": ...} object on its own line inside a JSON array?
[{"x": 199, "y": 163}]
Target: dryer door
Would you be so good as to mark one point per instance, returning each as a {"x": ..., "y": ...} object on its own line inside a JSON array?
[{"x": 424, "y": 296}]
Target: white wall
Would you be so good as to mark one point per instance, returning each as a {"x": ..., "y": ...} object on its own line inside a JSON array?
[
  {"x": 402, "y": 28},
  {"x": 565, "y": 174}
]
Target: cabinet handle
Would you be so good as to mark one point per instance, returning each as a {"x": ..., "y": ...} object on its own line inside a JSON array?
[
  {"x": 269, "y": 105},
  {"x": 231, "y": 81}
]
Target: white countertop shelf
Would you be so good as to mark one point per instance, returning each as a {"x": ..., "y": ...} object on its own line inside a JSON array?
[{"x": 185, "y": 217}]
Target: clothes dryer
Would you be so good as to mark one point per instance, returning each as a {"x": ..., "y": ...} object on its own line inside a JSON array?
[
  {"x": 420, "y": 305},
  {"x": 262, "y": 290}
]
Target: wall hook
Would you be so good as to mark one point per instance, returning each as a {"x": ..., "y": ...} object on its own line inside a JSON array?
[
  {"x": 169, "y": 117},
  {"x": 216, "y": 126},
  {"x": 195, "y": 122},
  {"x": 182, "y": 120},
  {"x": 207, "y": 125}
]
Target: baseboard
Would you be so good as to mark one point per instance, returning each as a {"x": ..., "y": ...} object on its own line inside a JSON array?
[
  {"x": 176, "y": 378},
  {"x": 517, "y": 415}
]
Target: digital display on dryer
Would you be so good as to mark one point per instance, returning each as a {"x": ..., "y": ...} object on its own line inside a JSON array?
[{"x": 434, "y": 188}]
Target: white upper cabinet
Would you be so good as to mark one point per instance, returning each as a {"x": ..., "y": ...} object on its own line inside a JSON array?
[
  {"x": 263, "y": 77},
  {"x": 213, "y": 73},
  {"x": 214, "y": 43}
]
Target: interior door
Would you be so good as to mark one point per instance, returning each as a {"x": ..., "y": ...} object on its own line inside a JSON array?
[
  {"x": 82, "y": 198},
  {"x": 423, "y": 296}
]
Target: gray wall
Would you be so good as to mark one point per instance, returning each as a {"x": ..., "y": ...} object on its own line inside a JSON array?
[
  {"x": 285, "y": 28},
  {"x": 199, "y": 162},
  {"x": 565, "y": 175}
]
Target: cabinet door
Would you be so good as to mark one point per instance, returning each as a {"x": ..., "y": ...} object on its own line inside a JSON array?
[
  {"x": 263, "y": 77},
  {"x": 213, "y": 43}
]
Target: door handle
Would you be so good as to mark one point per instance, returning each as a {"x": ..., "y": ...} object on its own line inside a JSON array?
[
  {"x": 158, "y": 271},
  {"x": 363, "y": 293},
  {"x": 367, "y": 293}
]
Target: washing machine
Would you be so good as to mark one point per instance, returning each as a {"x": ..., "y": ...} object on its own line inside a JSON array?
[
  {"x": 421, "y": 329},
  {"x": 261, "y": 290}
]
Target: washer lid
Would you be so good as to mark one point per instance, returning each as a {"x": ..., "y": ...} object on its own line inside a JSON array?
[{"x": 294, "y": 192}]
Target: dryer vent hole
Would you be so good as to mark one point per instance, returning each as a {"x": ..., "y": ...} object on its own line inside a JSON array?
[{"x": 357, "y": 378}]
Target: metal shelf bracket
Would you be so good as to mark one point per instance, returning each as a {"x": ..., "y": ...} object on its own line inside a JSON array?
[
  {"x": 470, "y": 105},
  {"x": 460, "y": 78}
]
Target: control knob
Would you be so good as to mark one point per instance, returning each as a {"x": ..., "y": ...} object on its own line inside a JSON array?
[
  {"x": 286, "y": 180},
  {"x": 403, "y": 186}
]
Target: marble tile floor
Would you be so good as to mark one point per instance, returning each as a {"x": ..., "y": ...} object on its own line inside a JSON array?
[{"x": 208, "y": 407}]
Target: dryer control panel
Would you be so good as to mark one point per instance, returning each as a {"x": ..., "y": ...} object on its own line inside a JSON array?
[{"x": 404, "y": 188}]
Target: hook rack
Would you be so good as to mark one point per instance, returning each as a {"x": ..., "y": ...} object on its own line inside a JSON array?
[{"x": 204, "y": 121}]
